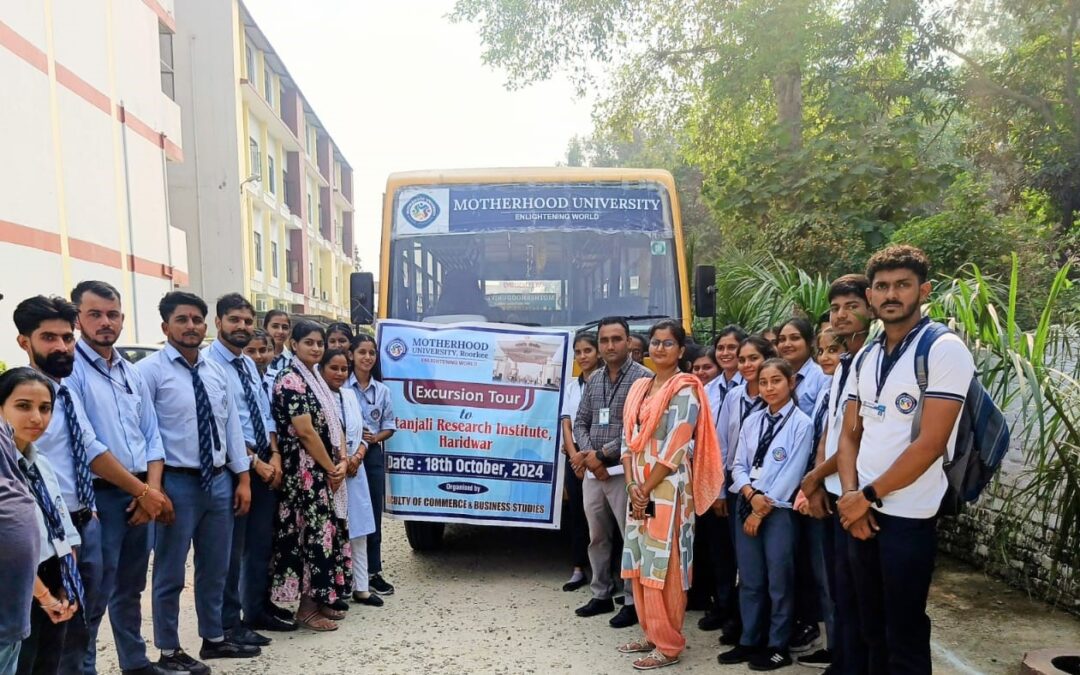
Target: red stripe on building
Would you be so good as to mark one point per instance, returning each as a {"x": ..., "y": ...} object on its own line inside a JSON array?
[
  {"x": 95, "y": 253},
  {"x": 30, "y": 237},
  {"x": 23, "y": 48},
  {"x": 83, "y": 89}
]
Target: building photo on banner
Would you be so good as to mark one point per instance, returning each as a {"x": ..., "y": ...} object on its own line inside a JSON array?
[{"x": 477, "y": 408}]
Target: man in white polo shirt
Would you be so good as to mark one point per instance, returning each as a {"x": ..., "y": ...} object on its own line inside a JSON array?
[{"x": 893, "y": 485}]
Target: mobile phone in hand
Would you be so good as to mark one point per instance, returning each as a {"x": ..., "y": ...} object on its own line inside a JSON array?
[{"x": 650, "y": 509}]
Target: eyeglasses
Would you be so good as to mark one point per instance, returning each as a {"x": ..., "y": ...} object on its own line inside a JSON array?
[{"x": 666, "y": 344}]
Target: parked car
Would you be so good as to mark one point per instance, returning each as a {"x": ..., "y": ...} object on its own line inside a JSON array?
[{"x": 136, "y": 353}]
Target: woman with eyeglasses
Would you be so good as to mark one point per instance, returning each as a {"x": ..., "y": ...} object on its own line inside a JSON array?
[{"x": 673, "y": 472}]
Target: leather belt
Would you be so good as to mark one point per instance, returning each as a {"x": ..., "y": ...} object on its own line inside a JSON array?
[{"x": 102, "y": 484}]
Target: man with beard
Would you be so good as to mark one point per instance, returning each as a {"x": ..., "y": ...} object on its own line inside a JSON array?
[
  {"x": 46, "y": 328},
  {"x": 201, "y": 433},
  {"x": 893, "y": 480},
  {"x": 128, "y": 458},
  {"x": 248, "y": 583}
]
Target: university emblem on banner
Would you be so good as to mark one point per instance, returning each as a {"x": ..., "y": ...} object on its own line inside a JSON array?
[
  {"x": 397, "y": 349},
  {"x": 421, "y": 211}
]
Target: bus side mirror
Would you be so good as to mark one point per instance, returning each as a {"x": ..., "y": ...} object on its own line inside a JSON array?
[
  {"x": 704, "y": 291},
  {"x": 362, "y": 298}
]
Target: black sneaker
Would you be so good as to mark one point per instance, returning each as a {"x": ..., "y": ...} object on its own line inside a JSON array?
[
  {"x": 279, "y": 612},
  {"x": 574, "y": 585},
  {"x": 242, "y": 635},
  {"x": 818, "y": 659},
  {"x": 227, "y": 650},
  {"x": 371, "y": 600},
  {"x": 731, "y": 632},
  {"x": 710, "y": 622},
  {"x": 804, "y": 637},
  {"x": 595, "y": 606},
  {"x": 626, "y": 617},
  {"x": 380, "y": 585},
  {"x": 740, "y": 654},
  {"x": 770, "y": 659},
  {"x": 339, "y": 605},
  {"x": 180, "y": 662}
]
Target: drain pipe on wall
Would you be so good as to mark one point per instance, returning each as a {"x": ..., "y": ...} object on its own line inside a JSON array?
[{"x": 131, "y": 223}]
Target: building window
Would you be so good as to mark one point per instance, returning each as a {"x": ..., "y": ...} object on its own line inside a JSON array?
[
  {"x": 271, "y": 179},
  {"x": 310, "y": 208},
  {"x": 256, "y": 159},
  {"x": 258, "y": 252},
  {"x": 168, "y": 77},
  {"x": 250, "y": 63},
  {"x": 274, "y": 259},
  {"x": 268, "y": 86},
  {"x": 311, "y": 274}
]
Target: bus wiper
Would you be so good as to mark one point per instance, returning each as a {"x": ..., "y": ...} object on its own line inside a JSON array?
[
  {"x": 628, "y": 319},
  {"x": 527, "y": 324}
]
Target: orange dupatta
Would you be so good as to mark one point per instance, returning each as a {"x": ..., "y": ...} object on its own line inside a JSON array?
[{"x": 706, "y": 467}]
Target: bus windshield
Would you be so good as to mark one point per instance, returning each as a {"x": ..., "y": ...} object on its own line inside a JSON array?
[{"x": 543, "y": 255}]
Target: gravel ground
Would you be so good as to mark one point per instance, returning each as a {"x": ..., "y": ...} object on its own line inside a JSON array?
[{"x": 490, "y": 602}]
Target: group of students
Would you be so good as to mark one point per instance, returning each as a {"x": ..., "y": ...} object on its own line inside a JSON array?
[
  {"x": 269, "y": 439},
  {"x": 798, "y": 485}
]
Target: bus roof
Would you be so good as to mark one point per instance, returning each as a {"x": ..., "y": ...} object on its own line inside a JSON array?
[{"x": 548, "y": 174}]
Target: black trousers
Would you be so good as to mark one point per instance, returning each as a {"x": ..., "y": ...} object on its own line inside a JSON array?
[
  {"x": 892, "y": 572},
  {"x": 41, "y": 652},
  {"x": 375, "y": 467},
  {"x": 849, "y": 656},
  {"x": 715, "y": 569},
  {"x": 575, "y": 520}
]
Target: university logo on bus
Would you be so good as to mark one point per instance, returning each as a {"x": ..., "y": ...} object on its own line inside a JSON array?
[
  {"x": 420, "y": 211},
  {"x": 396, "y": 349}
]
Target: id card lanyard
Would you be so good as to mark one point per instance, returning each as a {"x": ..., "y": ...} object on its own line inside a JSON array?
[
  {"x": 885, "y": 364},
  {"x": 605, "y": 412}
]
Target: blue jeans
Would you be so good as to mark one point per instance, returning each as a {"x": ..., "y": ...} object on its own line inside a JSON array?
[
  {"x": 9, "y": 657},
  {"x": 849, "y": 656},
  {"x": 248, "y": 584},
  {"x": 767, "y": 577},
  {"x": 78, "y": 656},
  {"x": 125, "y": 557},
  {"x": 204, "y": 519},
  {"x": 892, "y": 572},
  {"x": 376, "y": 475}
]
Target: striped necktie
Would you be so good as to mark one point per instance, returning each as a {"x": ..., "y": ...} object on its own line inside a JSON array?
[
  {"x": 208, "y": 432},
  {"x": 84, "y": 485},
  {"x": 262, "y": 444},
  {"x": 69, "y": 571}
]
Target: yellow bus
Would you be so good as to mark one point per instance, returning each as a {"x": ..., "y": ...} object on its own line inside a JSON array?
[{"x": 550, "y": 247}]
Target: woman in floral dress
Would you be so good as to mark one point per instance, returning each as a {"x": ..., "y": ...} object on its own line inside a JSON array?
[{"x": 311, "y": 560}]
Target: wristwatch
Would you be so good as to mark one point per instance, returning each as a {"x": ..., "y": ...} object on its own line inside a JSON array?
[{"x": 871, "y": 495}]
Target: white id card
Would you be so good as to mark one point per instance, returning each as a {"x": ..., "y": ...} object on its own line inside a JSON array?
[
  {"x": 873, "y": 411},
  {"x": 605, "y": 415}
]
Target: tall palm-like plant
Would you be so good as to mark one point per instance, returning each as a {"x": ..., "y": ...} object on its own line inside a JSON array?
[
  {"x": 1034, "y": 374},
  {"x": 760, "y": 292}
]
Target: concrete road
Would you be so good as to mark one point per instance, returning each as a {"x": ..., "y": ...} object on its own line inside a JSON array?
[{"x": 490, "y": 602}]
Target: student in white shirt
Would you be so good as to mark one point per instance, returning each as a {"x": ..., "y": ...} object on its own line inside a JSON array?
[
  {"x": 770, "y": 460},
  {"x": 587, "y": 357},
  {"x": 893, "y": 485},
  {"x": 739, "y": 404},
  {"x": 850, "y": 317},
  {"x": 795, "y": 344}
]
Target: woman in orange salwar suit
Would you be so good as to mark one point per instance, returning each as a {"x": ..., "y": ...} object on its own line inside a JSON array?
[{"x": 673, "y": 471}]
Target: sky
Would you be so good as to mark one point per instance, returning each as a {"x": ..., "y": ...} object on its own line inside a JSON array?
[{"x": 399, "y": 87}]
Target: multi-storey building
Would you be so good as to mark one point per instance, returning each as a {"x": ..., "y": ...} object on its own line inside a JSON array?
[
  {"x": 264, "y": 193},
  {"x": 87, "y": 129}
]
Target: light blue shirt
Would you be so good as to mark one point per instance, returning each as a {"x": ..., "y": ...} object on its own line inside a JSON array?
[
  {"x": 168, "y": 379},
  {"x": 221, "y": 355},
  {"x": 118, "y": 406},
  {"x": 375, "y": 402},
  {"x": 785, "y": 461},
  {"x": 55, "y": 443},
  {"x": 730, "y": 420},
  {"x": 50, "y": 548},
  {"x": 810, "y": 380},
  {"x": 717, "y": 390}
]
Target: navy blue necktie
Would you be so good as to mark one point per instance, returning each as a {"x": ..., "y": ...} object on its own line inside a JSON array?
[
  {"x": 208, "y": 433},
  {"x": 69, "y": 571},
  {"x": 766, "y": 439},
  {"x": 84, "y": 485},
  {"x": 262, "y": 444}
]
